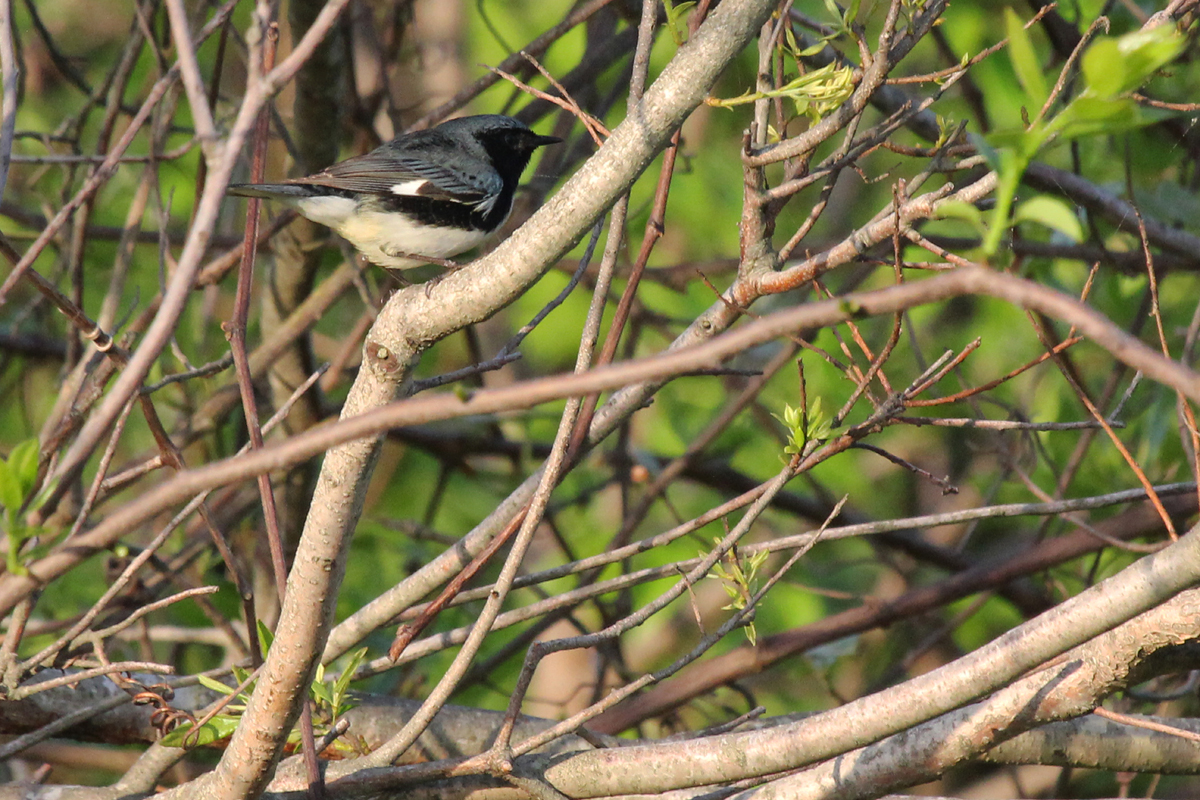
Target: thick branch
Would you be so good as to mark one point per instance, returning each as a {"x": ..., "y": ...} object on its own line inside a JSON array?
[{"x": 1133, "y": 591}]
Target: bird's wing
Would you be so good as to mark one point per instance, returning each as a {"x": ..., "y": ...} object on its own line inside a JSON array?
[{"x": 391, "y": 173}]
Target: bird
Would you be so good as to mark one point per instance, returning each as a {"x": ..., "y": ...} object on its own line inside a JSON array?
[{"x": 420, "y": 198}]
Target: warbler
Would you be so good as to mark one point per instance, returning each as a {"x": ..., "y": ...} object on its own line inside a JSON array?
[{"x": 420, "y": 198}]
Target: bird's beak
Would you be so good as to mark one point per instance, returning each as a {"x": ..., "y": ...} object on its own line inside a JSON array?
[{"x": 542, "y": 141}]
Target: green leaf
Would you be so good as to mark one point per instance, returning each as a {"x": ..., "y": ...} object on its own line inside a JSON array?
[
  {"x": 23, "y": 461},
  {"x": 1089, "y": 116},
  {"x": 214, "y": 685},
  {"x": 986, "y": 149},
  {"x": 12, "y": 559},
  {"x": 815, "y": 93},
  {"x": 265, "y": 636},
  {"x": 215, "y": 730},
  {"x": 1149, "y": 50},
  {"x": 1104, "y": 68},
  {"x": 320, "y": 692},
  {"x": 48, "y": 489},
  {"x": 852, "y": 12},
  {"x": 675, "y": 17},
  {"x": 1012, "y": 167},
  {"x": 11, "y": 496},
  {"x": 1053, "y": 213},
  {"x": 1025, "y": 61},
  {"x": 1018, "y": 140},
  {"x": 1115, "y": 66},
  {"x": 352, "y": 665}
]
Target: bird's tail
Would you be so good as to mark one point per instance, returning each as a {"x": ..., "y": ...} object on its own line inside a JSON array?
[{"x": 270, "y": 191}]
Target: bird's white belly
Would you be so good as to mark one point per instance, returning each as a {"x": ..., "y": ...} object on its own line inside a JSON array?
[{"x": 380, "y": 236}]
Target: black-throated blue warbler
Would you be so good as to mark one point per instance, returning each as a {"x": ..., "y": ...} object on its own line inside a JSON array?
[{"x": 424, "y": 196}]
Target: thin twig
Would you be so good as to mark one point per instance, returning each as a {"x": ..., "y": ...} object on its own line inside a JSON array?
[
  {"x": 11, "y": 76},
  {"x": 1150, "y": 725}
]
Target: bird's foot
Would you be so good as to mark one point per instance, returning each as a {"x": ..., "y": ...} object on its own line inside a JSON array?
[
  {"x": 432, "y": 282},
  {"x": 441, "y": 262}
]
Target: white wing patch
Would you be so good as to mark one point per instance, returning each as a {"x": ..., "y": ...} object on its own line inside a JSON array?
[
  {"x": 410, "y": 187},
  {"x": 485, "y": 205}
]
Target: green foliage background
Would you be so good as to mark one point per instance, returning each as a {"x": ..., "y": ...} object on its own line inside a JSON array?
[{"x": 704, "y": 209}]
